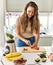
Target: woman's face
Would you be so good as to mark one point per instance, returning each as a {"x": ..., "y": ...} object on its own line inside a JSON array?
[{"x": 30, "y": 11}]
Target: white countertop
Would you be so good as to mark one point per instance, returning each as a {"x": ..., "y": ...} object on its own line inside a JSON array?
[
  {"x": 30, "y": 58},
  {"x": 46, "y": 35}
]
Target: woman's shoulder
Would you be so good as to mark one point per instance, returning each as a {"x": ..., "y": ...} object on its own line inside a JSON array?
[
  {"x": 18, "y": 18},
  {"x": 18, "y": 21}
]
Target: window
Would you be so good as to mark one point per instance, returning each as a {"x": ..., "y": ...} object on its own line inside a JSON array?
[
  {"x": 43, "y": 22},
  {"x": 10, "y": 21},
  {"x": 10, "y": 18},
  {"x": 50, "y": 27},
  {"x": 46, "y": 21}
]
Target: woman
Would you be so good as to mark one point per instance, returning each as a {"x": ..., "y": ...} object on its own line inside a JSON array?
[{"x": 28, "y": 26}]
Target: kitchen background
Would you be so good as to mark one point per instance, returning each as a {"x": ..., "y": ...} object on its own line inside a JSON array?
[{"x": 10, "y": 10}]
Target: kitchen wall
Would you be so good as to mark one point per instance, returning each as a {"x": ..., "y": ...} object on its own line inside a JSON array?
[{"x": 2, "y": 10}]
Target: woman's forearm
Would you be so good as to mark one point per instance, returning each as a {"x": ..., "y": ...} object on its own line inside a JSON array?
[
  {"x": 25, "y": 40},
  {"x": 22, "y": 38},
  {"x": 37, "y": 38}
]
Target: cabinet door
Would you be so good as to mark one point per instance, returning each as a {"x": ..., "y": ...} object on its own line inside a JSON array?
[
  {"x": 43, "y": 5},
  {"x": 45, "y": 41}
]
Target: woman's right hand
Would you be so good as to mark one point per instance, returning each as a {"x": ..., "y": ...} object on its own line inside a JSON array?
[{"x": 28, "y": 42}]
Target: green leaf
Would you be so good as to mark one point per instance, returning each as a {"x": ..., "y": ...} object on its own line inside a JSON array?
[{"x": 10, "y": 36}]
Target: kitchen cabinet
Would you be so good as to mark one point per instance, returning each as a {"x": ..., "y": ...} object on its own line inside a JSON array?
[
  {"x": 45, "y": 40},
  {"x": 18, "y": 5},
  {"x": 52, "y": 5}
]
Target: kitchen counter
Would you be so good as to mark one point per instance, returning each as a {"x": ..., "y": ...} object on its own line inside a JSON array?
[
  {"x": 45, "y": 40},
  {"x": 30, "y": 57},
  {"x": 45, "y": 35}
]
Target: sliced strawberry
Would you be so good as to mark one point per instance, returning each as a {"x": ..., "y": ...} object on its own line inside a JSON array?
[{"x": 36, "y": 48}]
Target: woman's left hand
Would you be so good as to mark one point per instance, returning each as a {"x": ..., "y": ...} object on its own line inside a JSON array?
[{"x": 35, "y": 46}]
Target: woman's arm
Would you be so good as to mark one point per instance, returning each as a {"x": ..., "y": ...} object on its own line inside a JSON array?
[
  {"x": 37, "y": 39},
  {"x": 20, "y": 36},
  {"x": 37, "y": 36}
]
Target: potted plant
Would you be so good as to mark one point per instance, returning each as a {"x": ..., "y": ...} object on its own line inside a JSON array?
[{"x": 10, "y": 38}]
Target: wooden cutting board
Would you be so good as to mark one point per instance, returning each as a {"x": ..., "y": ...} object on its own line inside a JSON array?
[{"x": 29, "y": 49}]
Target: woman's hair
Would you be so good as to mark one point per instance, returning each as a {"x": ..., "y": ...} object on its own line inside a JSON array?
[{"x": 34, "y": 19}]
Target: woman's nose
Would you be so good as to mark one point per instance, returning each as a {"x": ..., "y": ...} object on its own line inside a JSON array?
[{"x": 30, "y": 14}]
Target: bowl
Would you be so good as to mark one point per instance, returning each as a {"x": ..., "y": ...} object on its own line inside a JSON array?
[
  {"x": 20, "y": 61},
  {"x": 43, "y": 59},
  {"x": 37, "y": 59}
]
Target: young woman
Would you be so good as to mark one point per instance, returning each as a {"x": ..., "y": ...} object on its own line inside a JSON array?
[{"x": 28, "y": 26}]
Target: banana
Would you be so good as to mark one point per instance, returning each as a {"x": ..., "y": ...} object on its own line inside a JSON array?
[{"x": 14, "y": 56}]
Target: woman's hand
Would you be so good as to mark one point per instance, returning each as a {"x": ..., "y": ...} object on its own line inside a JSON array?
[
  {"x": 34, "y": 45},
  {"x": 28, "y": 42}
]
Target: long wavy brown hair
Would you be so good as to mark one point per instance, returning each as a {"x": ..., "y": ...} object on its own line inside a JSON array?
[{"x": 34, "y": 19}]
